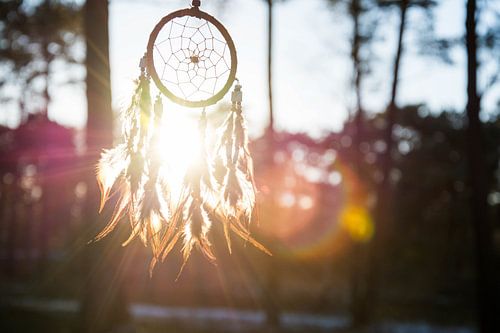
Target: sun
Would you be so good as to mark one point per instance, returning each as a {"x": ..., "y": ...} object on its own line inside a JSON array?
[{"x": 177, "y": 146}]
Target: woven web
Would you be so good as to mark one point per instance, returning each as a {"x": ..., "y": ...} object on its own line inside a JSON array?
[{"x": 192, "y": 58}]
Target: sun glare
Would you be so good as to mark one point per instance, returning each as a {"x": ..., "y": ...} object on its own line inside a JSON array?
[{"x": 178, "y": 145}]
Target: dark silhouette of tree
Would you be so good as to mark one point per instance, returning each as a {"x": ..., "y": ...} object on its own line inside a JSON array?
[
  {"x": 271, "y": 281},
  {"x": 384, "y": 209},
  {"x": 270, "y": 24},
  {"x": 364, "y": 25},
  {"x": 487, "y": 301},
  {"x": 383, "y": 214}
]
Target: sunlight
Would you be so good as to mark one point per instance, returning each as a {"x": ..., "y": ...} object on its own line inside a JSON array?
[{"x": 177, "y": 147}]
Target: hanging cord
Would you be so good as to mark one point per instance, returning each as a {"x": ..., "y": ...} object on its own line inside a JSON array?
[
  {"x": 236, "y": 99},
  {"x": 196, "y": 3},
  {"x": 203, "y": 122},
  {"x": 206, "y": 175},
  {"x": 202, "y": 127}
]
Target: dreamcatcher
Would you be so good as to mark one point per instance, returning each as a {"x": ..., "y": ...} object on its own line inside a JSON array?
[{"x": 191, "y": 59}]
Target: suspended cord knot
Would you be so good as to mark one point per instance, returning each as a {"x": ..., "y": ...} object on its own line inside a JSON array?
[
  {"x": 237, "y": 97},
  {"x": 142, "y": 64}
]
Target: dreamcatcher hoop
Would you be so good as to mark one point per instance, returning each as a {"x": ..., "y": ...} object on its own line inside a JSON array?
[{"x": 196, "y": 13}]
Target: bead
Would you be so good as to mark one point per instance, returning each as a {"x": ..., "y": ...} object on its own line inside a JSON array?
[{"x": 237, "y": 95}]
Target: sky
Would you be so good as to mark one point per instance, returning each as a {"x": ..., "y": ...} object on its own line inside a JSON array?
[{"x": 311, "y": 65}]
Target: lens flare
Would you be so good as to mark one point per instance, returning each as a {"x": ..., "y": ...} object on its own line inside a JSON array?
[
  {"x": 314, "y": 219},
  {"x": 357, "y": 221}
]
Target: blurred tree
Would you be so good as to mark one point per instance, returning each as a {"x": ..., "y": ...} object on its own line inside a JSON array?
[
  {"x": 13, "y": 57},
  {"x": 270, "y": 285},
  {"x": 364, "y": 23},
  {"x": 488, "y": 44},
  {"x": 431, "y": 205},
  {"x": 270, "y": 44},
  {"x": 384, "y": 209},
  {"x": 487, "y": 283},
  {"x": 104, "y": 307},
  {"x": 32, "y": 39},
  {"x": 270, "y": 62}
]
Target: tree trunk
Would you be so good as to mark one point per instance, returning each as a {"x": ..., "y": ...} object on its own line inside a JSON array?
[
  {"x": 270, "y": 292},
  {"x": 357, "y": 275},
  {"x": 270, "y": 63},
  {"x": 100, "y": 114},
  {"x": 271, "y": 295},
  {"x": 384, "y": 212},
  {"x": 11, "y": 199},
  {"x": 104, "y": 308},
  {"x": 488, "y": 318},
  {"x": 46, "y": 95}
]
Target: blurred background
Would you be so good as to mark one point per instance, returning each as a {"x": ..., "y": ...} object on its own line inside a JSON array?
[{"x": 375, "y": 131}]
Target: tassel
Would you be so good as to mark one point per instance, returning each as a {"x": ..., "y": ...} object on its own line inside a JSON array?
[
  {"x": 234, "y": 170},
  {"x": 201, "y": 168},
  {"x": 133, "y": 167},
  {"x": 196, "y": 231},
  {"x": 155, "y": 210},
  {"x": 122, "y": 166},
  {"x": 191, "y": 217},
  {"x": 222, "y": 191},
  {"x": 139, "y": 117},
  {"x": 111, "y": 166},
  {"x": 116, "y": 164}
]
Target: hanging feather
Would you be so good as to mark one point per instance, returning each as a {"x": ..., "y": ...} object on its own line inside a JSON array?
[
  {"x": 111, "y": 166},
  {"x": 224, "y": 152},
  {"x": 115, "y": 163},
  {"x": 154, "y": 209},
  {"x": 196, "y": 230},
  {"x": 199, "y": 183},
  {"x": 121, "y": 167},
  {"x": 139, "y": 116},
  {"x": 223, "y": 191},
  {"x": 234, "y": 170},
  {"x": 191, "y": 218},
  {"x": 201, "y": 168},
  {"x": 133, "y": 169},
  {"x": 138, "y": 141}
]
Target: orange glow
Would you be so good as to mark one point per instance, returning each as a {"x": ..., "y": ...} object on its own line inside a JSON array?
[
  {"x": 314, "y": 219},
  {"x": 358, "y": 223}
]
